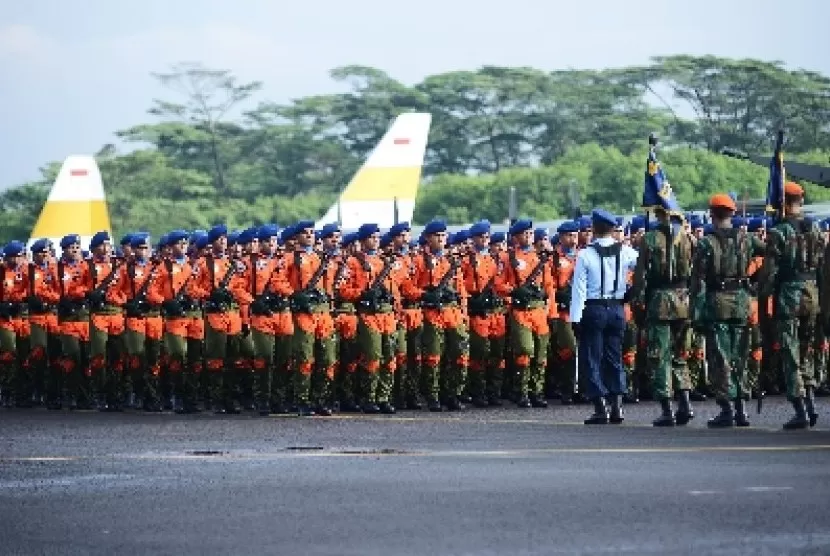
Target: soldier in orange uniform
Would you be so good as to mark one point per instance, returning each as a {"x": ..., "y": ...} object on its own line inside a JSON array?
[
  {"x": 44, "y": 347},
  {"x": 487, "y": 323},
  {"x": 175, "y": 290},
  {"x": 345, "y": 321},
  {"x": 222, "y": 281},
  {"x": 372, "y": 288},
  {"x": 143, "y": 326},
  {"x": 106, "y": 326},
  {"x": 562, "y": 340},
  {"x": 438, "y": 284},
  {"x": 74, "y": 286},
  {"x": 308, "y": 280},
  {"x": 15, "y": 376},
  {"x": 525, "y": 277}
]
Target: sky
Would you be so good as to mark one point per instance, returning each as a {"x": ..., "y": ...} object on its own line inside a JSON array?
[{"x": 75, "y": 71}]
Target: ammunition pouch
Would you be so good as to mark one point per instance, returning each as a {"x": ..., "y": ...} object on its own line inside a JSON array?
[
  {"x": 267, "y": 304},
  {"x": 220, "y": 301},
  {"x": 37, "y": 306},
  {"x": 437, "y": 298},
  {"x": 729, "y": 285},
  {"x": 97, "y": 300},
  {"x": 68, "y": 308},
  {"x": 173, "y": 309},
  {"x": 525, "y": 296},
  {"x": 375, "y": 300},
  {"x": 306, "y": 300},
  {"x": 9, "y": 310},
  {"x": 483, "y": 304},
  {"x": 137, "y": 308}
]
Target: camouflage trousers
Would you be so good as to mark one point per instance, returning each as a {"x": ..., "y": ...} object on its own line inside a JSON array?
[
  {"x": 727, "y": 350},
  {"x": 667, "y": 351},
  {"x": 797, "y": 337}
]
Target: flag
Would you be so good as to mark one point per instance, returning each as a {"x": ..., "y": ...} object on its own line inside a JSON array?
[
  {"x": 777, "y": 177},
  {"x": 658, "y": 192}
]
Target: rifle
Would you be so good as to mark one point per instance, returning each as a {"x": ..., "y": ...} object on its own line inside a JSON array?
[
  {"x": 440, "y": 295},
  {"x": 485, "y": 301},
  {"x": 220, "y": 298},
  {"x": 266, "y": 303},
  {"x": 302, "y": 300},
  {"x": 36, "y": 304},
  {"x": 137, "y": 307},
  {"x": 97, "y": 297},
  {"x": 181, "y": 303},
  {"x": 377, "y": 295},
  {"x": 528, "y": 291}
]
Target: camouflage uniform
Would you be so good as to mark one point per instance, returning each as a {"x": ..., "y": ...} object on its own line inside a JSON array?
[
  {"x": 794, "y": 254},
  {"x": 721, "y": 307},
  {"x": 661, "y": 285}
]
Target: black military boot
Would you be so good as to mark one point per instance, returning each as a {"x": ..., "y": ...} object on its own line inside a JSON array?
[
  {"x": 724, "y": 419},
  {"x": 600, "y": 415},
  {"x": 616, "y": 410},
  {"x": 453, "y": 403},
  {"x": 494, "y": 401},
  {"x": 480, "y": 402},
  {"x": 741, "y": 418},
  {"x": 371, "y": 408},
  {"x": 810, "y": 406},
  {"x": 666, "y": 418},
  {"x": 800, "y": 419},
  {"x": 684, "y": 412},
  {"x": 387, "y": 408},
  {"x": 538, "y": 401},
  {"x": 523, "y": 402},
  {"x": 434, "y": 405}
]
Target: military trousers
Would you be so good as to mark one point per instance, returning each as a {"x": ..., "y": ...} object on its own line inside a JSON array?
[
  {"x": 667, "y": 351},
  {"x": 142, "y": 343},
  {"x": 797, "y": 337},
  {"x": 563, "y": 353},
  {"x": 529, "y": 339},
  {"x": 221, "y": 332},
  {"x": 600, "y": 350},
  {"x": 314, "y": 348},
  {"x": 106, "y": 354},
  {"x": 486, "y": 371},
  {"x": 16, "y": 384},
  {"x": 376, "y": 335},
  {"x": 182, "y": 344},
  {"x": 446, "y": 348},
  {"x": 346, "y": 378},
  {"x": 74, "y": 361},
  {"x": 727, "y": 352}
]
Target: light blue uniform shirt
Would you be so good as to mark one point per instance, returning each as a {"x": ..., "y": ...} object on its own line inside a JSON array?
[{"x": 586, "y": 278}]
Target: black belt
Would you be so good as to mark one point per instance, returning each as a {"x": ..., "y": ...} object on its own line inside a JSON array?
[
  {"x": 604, "y": 302},
  {"x": 729, "y": 285}
]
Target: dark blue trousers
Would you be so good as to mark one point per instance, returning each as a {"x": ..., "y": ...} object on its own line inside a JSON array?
[{"x": 600, "y": 350}]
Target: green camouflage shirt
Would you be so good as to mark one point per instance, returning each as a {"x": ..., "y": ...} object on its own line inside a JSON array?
[
  {"x": 661, "y": 279},
  {"x": 720, "y": 288},
  {"x": 792, "y": 267}
]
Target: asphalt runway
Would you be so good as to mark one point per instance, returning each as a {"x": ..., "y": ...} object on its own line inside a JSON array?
[{"x": 501, "y": 481}]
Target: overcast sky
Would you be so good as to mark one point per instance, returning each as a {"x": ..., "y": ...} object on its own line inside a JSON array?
[{"x": 74, "y": 71}]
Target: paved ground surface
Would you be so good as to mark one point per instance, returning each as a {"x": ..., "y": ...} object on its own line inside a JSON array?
[{"x": 480, "y": 482}]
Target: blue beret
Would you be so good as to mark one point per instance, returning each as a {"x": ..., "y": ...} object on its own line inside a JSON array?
[
  {"x": 708, "y": 229},
  {"x": 14, "y": 249},
  {"x": 413, "y": 244},
  {"x": 539, "y": 234},
  {"x": 248, "y": 235},
  {"x": 620, "y": 221},
  {"x": 460, "y": 237},
  {"x": 435, "y": 227},
  {"x": 216, "y": 232},
  {"x": 520, "y": 226},
  {"x": 497, "y": 237},
  {"x": 554, "y": 240},
  {"x": 399, "y": 228},
  {"x": 317, "y": 235},
  {"x": 303, "y": 225},
  {"x": 267, "y": 231},
  {"x": 385, "y": 240},
  {"x": 176, "y": 236},
  {"x": 585, "y": 223},
  {"x": 287, "y": 233},
  {"x": 98, "y": 239},
  {"x": 422, "y": 240},
  {"x": 126, "y": 240},
  {"x": 603, "y": 216},
  {"x": 329, "y": 230},
  {"x": 201, "y": 240},
  {"x": 567, "y": 227},
  {"x": 40, "y": 246},
  {"x": 450, "y": 238},
  {"x": 68, "y": 240},
  {"x": 164, "y": 241},
  {"x": 84, "y": 253},
  {"x": 233, "y": 237},
  {"x": 348, "y": 239},
  {"x": 480, "y": 228},
  {"x": 366, "y": 231},
  {"x": 139, "y": 240}
]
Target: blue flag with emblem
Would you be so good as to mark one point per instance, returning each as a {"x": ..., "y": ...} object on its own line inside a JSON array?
[
  {"x": 777, "y": 176},
  {"x": 658, "y": 192}
]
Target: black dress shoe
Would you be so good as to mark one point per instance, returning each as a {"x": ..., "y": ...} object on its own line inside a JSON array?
[
  {"x": 616, "y": 417},
  {"x": 600, "y": 415},
  {"x": 371, "y": 408}
]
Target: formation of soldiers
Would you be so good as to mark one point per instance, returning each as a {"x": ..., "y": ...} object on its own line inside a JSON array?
[{"x": 274, "y": 320}]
